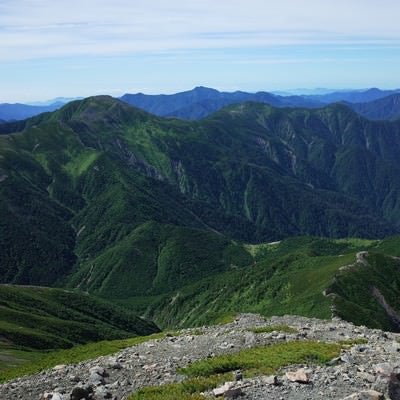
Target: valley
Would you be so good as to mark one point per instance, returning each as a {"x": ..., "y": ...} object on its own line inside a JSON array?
[{"x": 104, "y": 198}]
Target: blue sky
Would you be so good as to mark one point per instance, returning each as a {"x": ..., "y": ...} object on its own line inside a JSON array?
[{"x": 51, "y": 48}]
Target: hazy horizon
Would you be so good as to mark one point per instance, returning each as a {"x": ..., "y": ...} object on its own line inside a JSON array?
[
  {"x": 51, "y": 49},
  {"x": 290, "y": 92}
]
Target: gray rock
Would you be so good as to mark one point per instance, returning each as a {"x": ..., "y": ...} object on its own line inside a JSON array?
[
  {"x": 98, "y": 370},
  {"x": 228, "y": 390},
  {"x": 102, "y": 393},
  {"x": 270, "y": 380},
  {"x": 366, "y": 395},
  {"x": 52, "y": 396},
  {"x": 79, "y": 393},
  {"x": 384, "y": 369},
  {"x": 300, "y": 376},
  {"x": 357, "y": 370},
  {"x": 394, "y": 386},
  {"x": 95, "y": 379},
  {"x": 238, "y": 376}
]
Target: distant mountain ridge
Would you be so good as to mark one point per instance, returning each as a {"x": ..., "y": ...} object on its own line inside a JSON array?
[
  {"x": 386, "y": 108},
  {"x": 201, "y": 101},
  {"x": 354, "y": 96},
  {"x": 17, "y": 111}
]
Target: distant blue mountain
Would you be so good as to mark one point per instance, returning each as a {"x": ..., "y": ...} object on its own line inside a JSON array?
[
  {"x": 17, "y": 111},
  {"x": 202, "y": 101},
  {"x": 61, "y": 100},
  {"x": 354, "y": 96},
  {"x": 386, "y": 108}
]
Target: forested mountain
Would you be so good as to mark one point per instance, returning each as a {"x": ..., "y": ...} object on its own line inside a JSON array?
[
  {"x": 46, "y": 318},
  {"x": 103, "y": 197},
  {"x": 201, "y": 102},
  {"x": 386, "y": 108}
]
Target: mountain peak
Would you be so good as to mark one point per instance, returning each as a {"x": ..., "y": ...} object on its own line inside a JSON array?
[
  {"x": 204, "y": 89},
  {"x": 100, "y": 107}
]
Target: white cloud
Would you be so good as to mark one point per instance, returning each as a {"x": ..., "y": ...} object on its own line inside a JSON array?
[{"x": 34, "y": 29}]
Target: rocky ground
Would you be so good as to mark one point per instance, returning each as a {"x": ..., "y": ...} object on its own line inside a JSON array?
[{"x": 361, "y": 372}]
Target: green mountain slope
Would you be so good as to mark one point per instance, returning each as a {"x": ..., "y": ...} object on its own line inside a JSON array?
[
  {"x": 304, "y": 276},
  {"x": 43, "y": 318},
  {"x": 106, "y": 198},
  {"x": 157, "y": 258}
]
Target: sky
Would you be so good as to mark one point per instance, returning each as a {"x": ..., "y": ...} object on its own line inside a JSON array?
[{"x": 52, "y": 48}]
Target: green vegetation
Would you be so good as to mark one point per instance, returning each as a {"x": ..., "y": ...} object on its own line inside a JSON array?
[
  {"x": 359, "y": 293},
  {"x": 43, "y": 318},
  {"x": 187, "y": 390},
  {"x": 265, "y": 360},
  {"x": 207, "y": 374},
  {"x": 29, "y": 362},
  {"x": 297, "y": 277},
  {"x": 352, "y": 342},
  {"x": 153, "y": 213},
  {"x": 290, "y": 280}
]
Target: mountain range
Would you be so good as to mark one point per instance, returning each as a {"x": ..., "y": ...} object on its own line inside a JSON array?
[
  {"x": 386, "y": 108},
  {"x": 18, "y": 111},
  {"x": 173, "y": 218},
  {"x": 200, "y": 102}
]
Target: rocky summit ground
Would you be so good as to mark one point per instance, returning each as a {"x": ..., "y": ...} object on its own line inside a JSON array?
[{"x": 362, "y": 371}]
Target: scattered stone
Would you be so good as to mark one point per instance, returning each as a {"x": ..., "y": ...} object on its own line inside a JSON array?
[
  {"x": 299, "y": 376},
  {"x": 79, "y": 393},
  {"x": 238, "y": 376},
  {"x": 270, "y": 380},
  {"x": 102, "y": 393},
  {"x": 366, "y": 395},
  {"x": 394, "y": 386},
  {"x": 115, "y": 365},
  {"x": 98, "y": 370},
  {"x": 52, "y": 396},
  {"x": 393, "y": 347},
  {"x": 347, "y": 358},
  {"x": 96, "y": 379},
  {"x": 360, "y": 371},
  {"x": 365, "y": 376},
  {"x": 384, "y": 369},
  {"x": 60, "y": 367},
  {"x": 228, "y": 391}
]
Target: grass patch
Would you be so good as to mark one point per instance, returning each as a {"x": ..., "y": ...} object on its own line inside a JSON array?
[
  {"x": 189, "y": 389},
  {"x": 266, "y": 360},
  {"x": 39, "y": 361},
  {"x": 207, "y": 374},
  {"x": 274, "y": 328},
  {"x": 353, "y": 342},
  {"x": 226, "y": 319}
]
